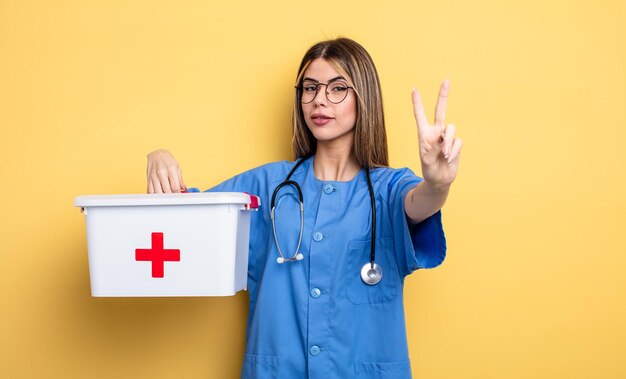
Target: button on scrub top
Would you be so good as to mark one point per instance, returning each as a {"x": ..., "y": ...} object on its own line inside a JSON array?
[{"x": 315, "y": 318}]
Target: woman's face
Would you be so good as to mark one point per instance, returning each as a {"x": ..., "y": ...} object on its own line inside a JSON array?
[{"x": 326, "y": 120}]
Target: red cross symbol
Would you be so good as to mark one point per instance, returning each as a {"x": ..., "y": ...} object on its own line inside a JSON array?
[{"x": 157, "y": 254}]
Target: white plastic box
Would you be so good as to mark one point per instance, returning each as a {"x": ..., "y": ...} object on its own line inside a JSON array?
[{"x": 188, "y": 244}]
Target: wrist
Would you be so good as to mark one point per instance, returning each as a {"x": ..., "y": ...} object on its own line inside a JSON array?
[{"x": 435, "y": 188}]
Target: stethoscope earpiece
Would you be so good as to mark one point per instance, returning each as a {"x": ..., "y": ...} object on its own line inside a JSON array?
[{"x": 297, "y": 257}]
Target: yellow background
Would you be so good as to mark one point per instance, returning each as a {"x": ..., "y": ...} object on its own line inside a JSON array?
[{"x": 534, "y": 283}]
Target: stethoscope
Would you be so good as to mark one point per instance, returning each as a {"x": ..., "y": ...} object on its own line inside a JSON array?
[{"x": 371, "y": 273}]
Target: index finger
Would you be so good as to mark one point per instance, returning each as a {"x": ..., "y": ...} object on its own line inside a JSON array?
[
  {"x": 442, "y": 102},
  {"x": 418, "y": 109}
]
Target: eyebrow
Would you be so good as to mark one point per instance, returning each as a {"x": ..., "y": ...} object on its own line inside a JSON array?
[{"x": 330, "y": 81}]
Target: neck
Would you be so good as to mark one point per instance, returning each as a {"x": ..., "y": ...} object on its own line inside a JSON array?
[{"x": 333, "y": 163}]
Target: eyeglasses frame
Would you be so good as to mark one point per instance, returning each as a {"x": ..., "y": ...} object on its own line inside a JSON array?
[{"x": 317, "y": 90}]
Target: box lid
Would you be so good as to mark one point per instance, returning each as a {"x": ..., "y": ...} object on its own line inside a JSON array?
[{"x": 192, "y": 198}]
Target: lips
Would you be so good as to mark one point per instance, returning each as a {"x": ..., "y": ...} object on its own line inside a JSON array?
[{"x": 320, "y": 119}]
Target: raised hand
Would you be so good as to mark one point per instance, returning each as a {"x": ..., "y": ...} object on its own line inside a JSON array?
[
  {"x": 164, "y": 174},
  {"x": 439, "y": 150}
]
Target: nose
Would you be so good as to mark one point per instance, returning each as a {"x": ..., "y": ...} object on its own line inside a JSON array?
[{"x": 320, "y": 95}]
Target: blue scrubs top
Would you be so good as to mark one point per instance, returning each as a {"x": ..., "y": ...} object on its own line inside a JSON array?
[{"x": 315, "y": 318}]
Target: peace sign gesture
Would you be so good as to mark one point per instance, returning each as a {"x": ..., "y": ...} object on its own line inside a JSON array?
[{"x": 439, "y": 150}]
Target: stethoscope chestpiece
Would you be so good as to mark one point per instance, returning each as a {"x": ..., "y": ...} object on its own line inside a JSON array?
[{"x": 371, "y": 273}]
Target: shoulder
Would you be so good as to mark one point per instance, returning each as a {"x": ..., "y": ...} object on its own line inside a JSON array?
[
  {"x": 266, "y": 174},
  {"x": 271, "y": 171},
  {"x": 257, "y": 179}
]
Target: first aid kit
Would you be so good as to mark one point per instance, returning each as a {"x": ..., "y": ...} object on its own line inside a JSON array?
[{"x": 184, "y": 244}]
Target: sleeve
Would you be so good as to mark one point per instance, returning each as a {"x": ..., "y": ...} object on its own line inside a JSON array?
[
  {"x": 244, "y": 182},
  {"x": 239, "y": 183},
  {"x": 421, "y": 245}
]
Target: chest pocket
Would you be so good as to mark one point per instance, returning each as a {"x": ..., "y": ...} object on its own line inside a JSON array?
[
  {"x": 390, "y": 285},
  {"x": 259, "y": 366}
]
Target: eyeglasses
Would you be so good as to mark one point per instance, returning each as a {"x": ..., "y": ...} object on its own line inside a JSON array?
[{"x": 336, "y": 91}]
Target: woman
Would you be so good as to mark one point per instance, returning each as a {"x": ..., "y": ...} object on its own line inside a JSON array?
[{"x": 322, "y": 303}]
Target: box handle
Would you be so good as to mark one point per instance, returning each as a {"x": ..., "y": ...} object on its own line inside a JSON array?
[{"x": 254, "y": 202}]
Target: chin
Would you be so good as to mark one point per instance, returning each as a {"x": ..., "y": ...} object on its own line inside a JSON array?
[{"x": 332, "y": 135}]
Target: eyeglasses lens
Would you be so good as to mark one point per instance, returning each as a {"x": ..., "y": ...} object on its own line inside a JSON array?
[{"x": 336, "y": 91}]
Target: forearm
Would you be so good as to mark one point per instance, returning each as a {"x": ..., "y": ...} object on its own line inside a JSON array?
[{"x": 425, "y": 200}]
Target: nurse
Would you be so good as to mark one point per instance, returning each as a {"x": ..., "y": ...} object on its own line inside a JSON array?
[{"x": 314, "y": 316}]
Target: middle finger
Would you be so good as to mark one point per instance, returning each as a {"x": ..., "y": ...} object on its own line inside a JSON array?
[{"x": 442, "y": 102}]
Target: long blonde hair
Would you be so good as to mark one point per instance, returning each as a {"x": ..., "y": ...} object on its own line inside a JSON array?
[{"x": 355, "y": 64}]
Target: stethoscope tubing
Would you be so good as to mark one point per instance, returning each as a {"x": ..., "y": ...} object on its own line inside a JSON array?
[
  {"x": 371, "y": 273},
  {"x": 296, "y": 255},
  {"x": 373, "y": 200}
]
